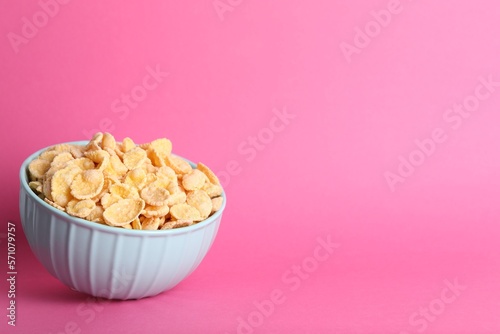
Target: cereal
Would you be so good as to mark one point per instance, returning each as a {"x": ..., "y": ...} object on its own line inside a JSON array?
[
  {"x": 201, "y": 201},
  {"x": 162, "y": 146},
  {"x": 108, "y": 141},
  {"x": 100, "y": 157},
  {"x": 185, "y": 212},
  {"x": 46, "y": 188},
  {"x": 179, "y": 165},
  {"x": 155, "y": 211},
  {"x": 60, "y": 185},
  {"x": 48, "y": 155},
  {"x": 80, "y": 209},
  {"x": 105, "y": 189},
  {"x": 125, "y": 185},
  {"x": 116, "y": 167},
  {"x": 136, "y": 224},
  {"x": 176, "y": 198},
  {"x": 61, "y": 148},
  {"x": 216, "y": 203},
  {"x": 54, "y": 204},
  {"x": 123, "y": 190},
  {"x": 193, "y": 180},
  {"x": 167, "y": 172},
  {"x": 107, "y": 200},
  {"x": 154, "y": 195},
  {"x": 137, "y": 178},
  {"x": 94, "y": 142},
  {"x": 152, "y": 223},
  {"x": 76, "y": 151},
  {"x": 213, "y": 190},
  {"x": 176, "y": 224},
  {"x": 36, "y": 186},
  {"x": 87, "y": 184},
  {"x": 96, "y": 215},
  {"x": 134, "y": 158},
  {"x": 123, "y": 212},
  {"x": 211, "y": 175},
  {"x": 82, "y": 163},
  {"x": 61, "y": 159},
  {"x": 37, "y": 168},
  {"x": 158, "y": 150},
  {"x": 127, "y": 144}
]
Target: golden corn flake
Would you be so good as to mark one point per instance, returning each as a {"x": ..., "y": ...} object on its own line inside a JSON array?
[
  {"x": 167, "y": 172},
  {"x": 176, "y": 198},
  {"x": 176, "y": 224},
  {"x": 211, "y": 175},
  {"x": 213, "y": 190},
  {"x": 216, "y": 204},
  {"x": 94, "y": 143},
  {"x": 136, "y": 224},
  {"x": 127, "y": 144},
  {"x": 108, "y": 141},
  {"x": 161, "y": 181},
  {"x": 154, "y": 195},
  {"x": 162, "y": 146},
  {"x": 96, "y": 215},
  {"x": 137, "y": 178},
  {"x": 185, "y": 212},
  {"x": 201, "y": 201},
  {"x": 179, "y": 165},
  {"x": 80, "y": 209},
  {"x": 105, "y": 190},
  {"x": 123, "y": 212},
  {"x": 37, "y": 168},
  {"x": 60, "y": 185},
  {"x": 152, "y": 223},
  {"x": 48, "y": 155},
  {"x": 100, "y": 157},
  {"x": 155, "y": 211},
  {"x": 87, "y": 184},
  {"x": 61, "y": 158},
  {"x": 82, "y": 163},
  {"x": 54, "y": 204},
  {"x": 140, "y": 187},
  {"x": 123, "y": 190},
  {"x": 61, "y": 148},
  {"x": 36, "y": 186},
  {"x": 108, "y": 199},
  {"x": 46, "y": 188},
  {"x": 134, "y": 158},
  {"x": 193, "y": 180},
  {"x": 116, "y": 167},
  {"x": 76, "y": 151}
]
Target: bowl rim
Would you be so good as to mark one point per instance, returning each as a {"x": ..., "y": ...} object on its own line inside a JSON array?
[{"x": 23, "y": 175}]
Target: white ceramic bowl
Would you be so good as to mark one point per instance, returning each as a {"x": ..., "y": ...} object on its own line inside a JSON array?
[{"x": 106, "y": 261}]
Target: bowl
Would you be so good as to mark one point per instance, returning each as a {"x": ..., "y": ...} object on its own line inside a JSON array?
[{"x": 111, "y": 262}]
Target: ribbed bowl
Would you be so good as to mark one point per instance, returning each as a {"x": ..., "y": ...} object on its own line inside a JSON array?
[{"x": 106, "y": 261}]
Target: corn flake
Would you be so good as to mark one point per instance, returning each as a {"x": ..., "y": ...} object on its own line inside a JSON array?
[
  {"x": 80, "y": 209},
  {"x": 185, "y": 212},
  {"x": 123, "y": 212},
  {"x": 201, "y": 201},
  {"x": 154, "y": 195},
  {"x": 87, "y": 184},
  {"x": 139, "y": 187},
  {"x": 134, "y": 158},
  {"x": 208, "y": 172}
]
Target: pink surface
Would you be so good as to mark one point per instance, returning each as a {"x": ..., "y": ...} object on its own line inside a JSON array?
[{"x": 390, "y": 150}]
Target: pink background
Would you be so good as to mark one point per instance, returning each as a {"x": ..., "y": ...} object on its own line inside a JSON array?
[{"x": 321, "y": 175}]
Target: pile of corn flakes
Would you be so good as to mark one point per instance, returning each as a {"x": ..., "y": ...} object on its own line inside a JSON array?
[{"x": 141, "y": 187}]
